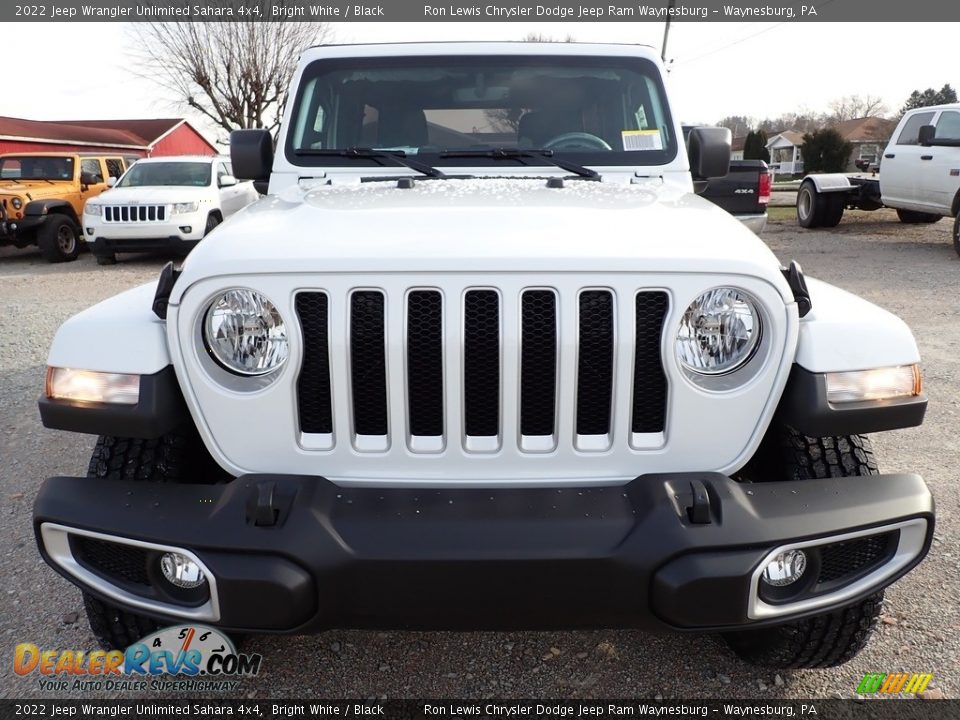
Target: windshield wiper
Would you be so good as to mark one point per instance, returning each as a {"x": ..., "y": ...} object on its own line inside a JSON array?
[
  {"x": 398, "y": 156},
  {"x": 522, "y": 154}
]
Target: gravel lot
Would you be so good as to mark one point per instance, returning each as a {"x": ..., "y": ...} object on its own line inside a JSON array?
[{"x": 912, "y": 270}]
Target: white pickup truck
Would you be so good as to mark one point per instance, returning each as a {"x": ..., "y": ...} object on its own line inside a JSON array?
[
  {"x": 919, "y": 176},
  {"x": 484, "y": 359}
]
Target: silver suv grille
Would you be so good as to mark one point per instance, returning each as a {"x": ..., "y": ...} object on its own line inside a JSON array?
[
  {"x": 134, "y": 213},
  {"x": 480, "y": 359}
]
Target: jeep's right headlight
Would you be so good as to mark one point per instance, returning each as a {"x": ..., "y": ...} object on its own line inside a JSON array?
[
  {"x": 245, "y": 333},
  {"x": 17, "y": 203},
  {"x": 92, "y": 209},
  {"x": 719, "y": 331},
  {"x": 185, "y": 208}
]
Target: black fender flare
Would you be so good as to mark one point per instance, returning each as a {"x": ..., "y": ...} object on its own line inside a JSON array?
[
  {"x": 955, "y": 207},
  {"x": 36, "y": 208}
]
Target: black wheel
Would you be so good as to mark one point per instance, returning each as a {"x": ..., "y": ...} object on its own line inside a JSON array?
[
  {"x": 956, "y": 234},
  {"x": 59, "y": 239},
  {"x": 835, "y": 637},
  {"x": 810, "y": 205},
  {"x": 833, "y": 210},
  {"x": 107, "y": 259},
  {"x": 912, "y": 217},
  {"x": 212, "y": 221},
  {"x": 166, "y": 459}
]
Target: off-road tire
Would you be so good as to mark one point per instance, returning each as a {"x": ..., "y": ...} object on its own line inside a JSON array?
[
  {"x": 831, "y": 638},
  {"x": 164, "y": 459},
  {"x": 819, "y": 642},
  {"x": 810, "y": 205},
  {"x": 59, "y": 238},
  {"x": 912, "y": 217},
  {"x": 956, "y": 234}
]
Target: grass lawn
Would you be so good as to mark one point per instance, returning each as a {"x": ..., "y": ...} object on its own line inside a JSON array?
[{"x": 781, "y": 213}]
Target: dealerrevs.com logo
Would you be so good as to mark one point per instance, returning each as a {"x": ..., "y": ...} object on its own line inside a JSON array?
[
  {"x": 894, "y": 683},
  {"x": 182, "y": 657}
]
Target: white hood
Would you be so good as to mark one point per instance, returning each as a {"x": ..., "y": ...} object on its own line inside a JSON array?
[
  {"x": 482, "y": 225},
  {"x": 150, "y": 195}
]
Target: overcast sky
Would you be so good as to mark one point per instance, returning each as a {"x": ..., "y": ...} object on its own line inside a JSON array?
[{"x": 718, "y": 69}]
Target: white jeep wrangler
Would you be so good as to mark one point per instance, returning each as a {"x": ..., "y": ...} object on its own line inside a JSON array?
[{"x": 484, "y": 359}]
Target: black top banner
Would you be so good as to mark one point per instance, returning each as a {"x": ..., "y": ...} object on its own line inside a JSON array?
[
  {"x": 619, "y": 11},
  {"x": 495, "y": 709}
]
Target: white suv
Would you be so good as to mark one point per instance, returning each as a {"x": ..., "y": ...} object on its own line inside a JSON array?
[{"x": 164, "y": 204}]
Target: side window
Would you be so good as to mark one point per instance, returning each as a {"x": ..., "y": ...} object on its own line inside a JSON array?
[
  {"x": 948, "y": 126},
  {"x": 910, "y": 135},
  {"x": 221, "y": 171},
  {"x": 91, "y": 166},
  {"x": 114, "y": 167}
]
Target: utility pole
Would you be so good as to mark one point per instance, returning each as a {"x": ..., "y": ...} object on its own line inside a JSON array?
[{"x": 671, "y": 4}]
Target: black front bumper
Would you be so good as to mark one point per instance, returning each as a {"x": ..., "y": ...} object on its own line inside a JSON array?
[
  {"x": 319, "y": 555},
  {"x": 173, "y": 243}
]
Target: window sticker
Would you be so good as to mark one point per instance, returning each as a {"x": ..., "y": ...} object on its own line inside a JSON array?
[{"x": 641, "y": 140}]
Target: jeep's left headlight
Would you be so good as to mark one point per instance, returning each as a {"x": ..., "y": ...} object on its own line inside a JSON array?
[
  {"x": 185, "y": 208},
  {"x": 719, "y": 331},
  {"x": 17, "y": 203},
  {"x": 245, "y": 333},
  {"x": 92, "y": 208}
]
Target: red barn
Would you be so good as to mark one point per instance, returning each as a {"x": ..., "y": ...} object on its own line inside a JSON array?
[{"x": 142, "y": 138}]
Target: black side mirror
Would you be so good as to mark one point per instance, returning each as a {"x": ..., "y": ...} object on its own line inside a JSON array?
[
  {"x": 927, "y": 134},
  {"x": 709, "y": 151},
  {"x": 251, "y": 154},
  {"x": 88, "y": 178}
]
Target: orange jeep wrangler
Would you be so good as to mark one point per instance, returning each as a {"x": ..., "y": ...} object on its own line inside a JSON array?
[{"x": 42, "y": 197}]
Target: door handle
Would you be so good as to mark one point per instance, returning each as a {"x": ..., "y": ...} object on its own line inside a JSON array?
[
  {"x": 926, "y": 157},
  {"x": 890, "y": 156}
]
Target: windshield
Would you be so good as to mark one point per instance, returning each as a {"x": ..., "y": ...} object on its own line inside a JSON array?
[
  {"x": 608, "y": 111},
  {"x": 15, "y": 167},
  {"x": 193, "y": 174}
]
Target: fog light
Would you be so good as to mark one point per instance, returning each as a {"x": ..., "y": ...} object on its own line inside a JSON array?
[
  {"x": 785, "y": 568},
  {"x": 90, "y": 232},
  {"x": 181, "y": 571},
  {"x": 186, "y": 229}
]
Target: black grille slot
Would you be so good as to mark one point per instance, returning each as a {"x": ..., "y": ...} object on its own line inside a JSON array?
[
  {"x": 649, "y": 380},
  {"x": 125, "y": 563},
  {"x": 425, "y": 362},
  {"x": 368, "y": 369},
  {"x": 313, "y": 385},
  {"x": 481, "y": 363},
  {"x": 852, "y": 557},
  {"x": 538, "y": 362},
  {"x": 595, "y": 363}
]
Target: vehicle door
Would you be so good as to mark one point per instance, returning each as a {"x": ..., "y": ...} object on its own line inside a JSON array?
[
  {"x": 93, "y": 180},
  {"x": 231, "y": 195},
  {"x": 901, "y": 168},
  {"x": 115, "y": 168},
  {"x": 941, "y": 176}
]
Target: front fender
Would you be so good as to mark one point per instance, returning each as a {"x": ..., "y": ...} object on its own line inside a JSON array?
[
  {"x": 845, "y": 332},
  {"x": 39, "y": 208},
  {"x": 120, "y": 334}
]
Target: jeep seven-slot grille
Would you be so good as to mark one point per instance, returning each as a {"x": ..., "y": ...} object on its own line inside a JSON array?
[
  {"x": 134, "y": 213},
  {"x": 428, "y": 353}
]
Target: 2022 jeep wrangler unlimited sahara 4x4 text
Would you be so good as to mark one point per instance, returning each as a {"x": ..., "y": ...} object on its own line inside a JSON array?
[{"x": 483, "y": 359}]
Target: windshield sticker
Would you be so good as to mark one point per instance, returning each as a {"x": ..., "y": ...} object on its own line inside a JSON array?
[{"x": 641, "y": 140}]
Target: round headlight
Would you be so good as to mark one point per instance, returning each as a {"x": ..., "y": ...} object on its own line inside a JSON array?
[
  {"x": 245, "y": 333},
  {"x": 719, "y": 332},
  {"x": 17, "y": 203}
]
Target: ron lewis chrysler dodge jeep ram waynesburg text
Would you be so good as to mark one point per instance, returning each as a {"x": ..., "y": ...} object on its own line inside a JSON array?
[{"x": 484, "y": 359}]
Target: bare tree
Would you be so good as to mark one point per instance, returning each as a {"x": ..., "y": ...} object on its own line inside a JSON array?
[
  {"x": 234, "y": 73},
  {"x": 850, "y": 107}
]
